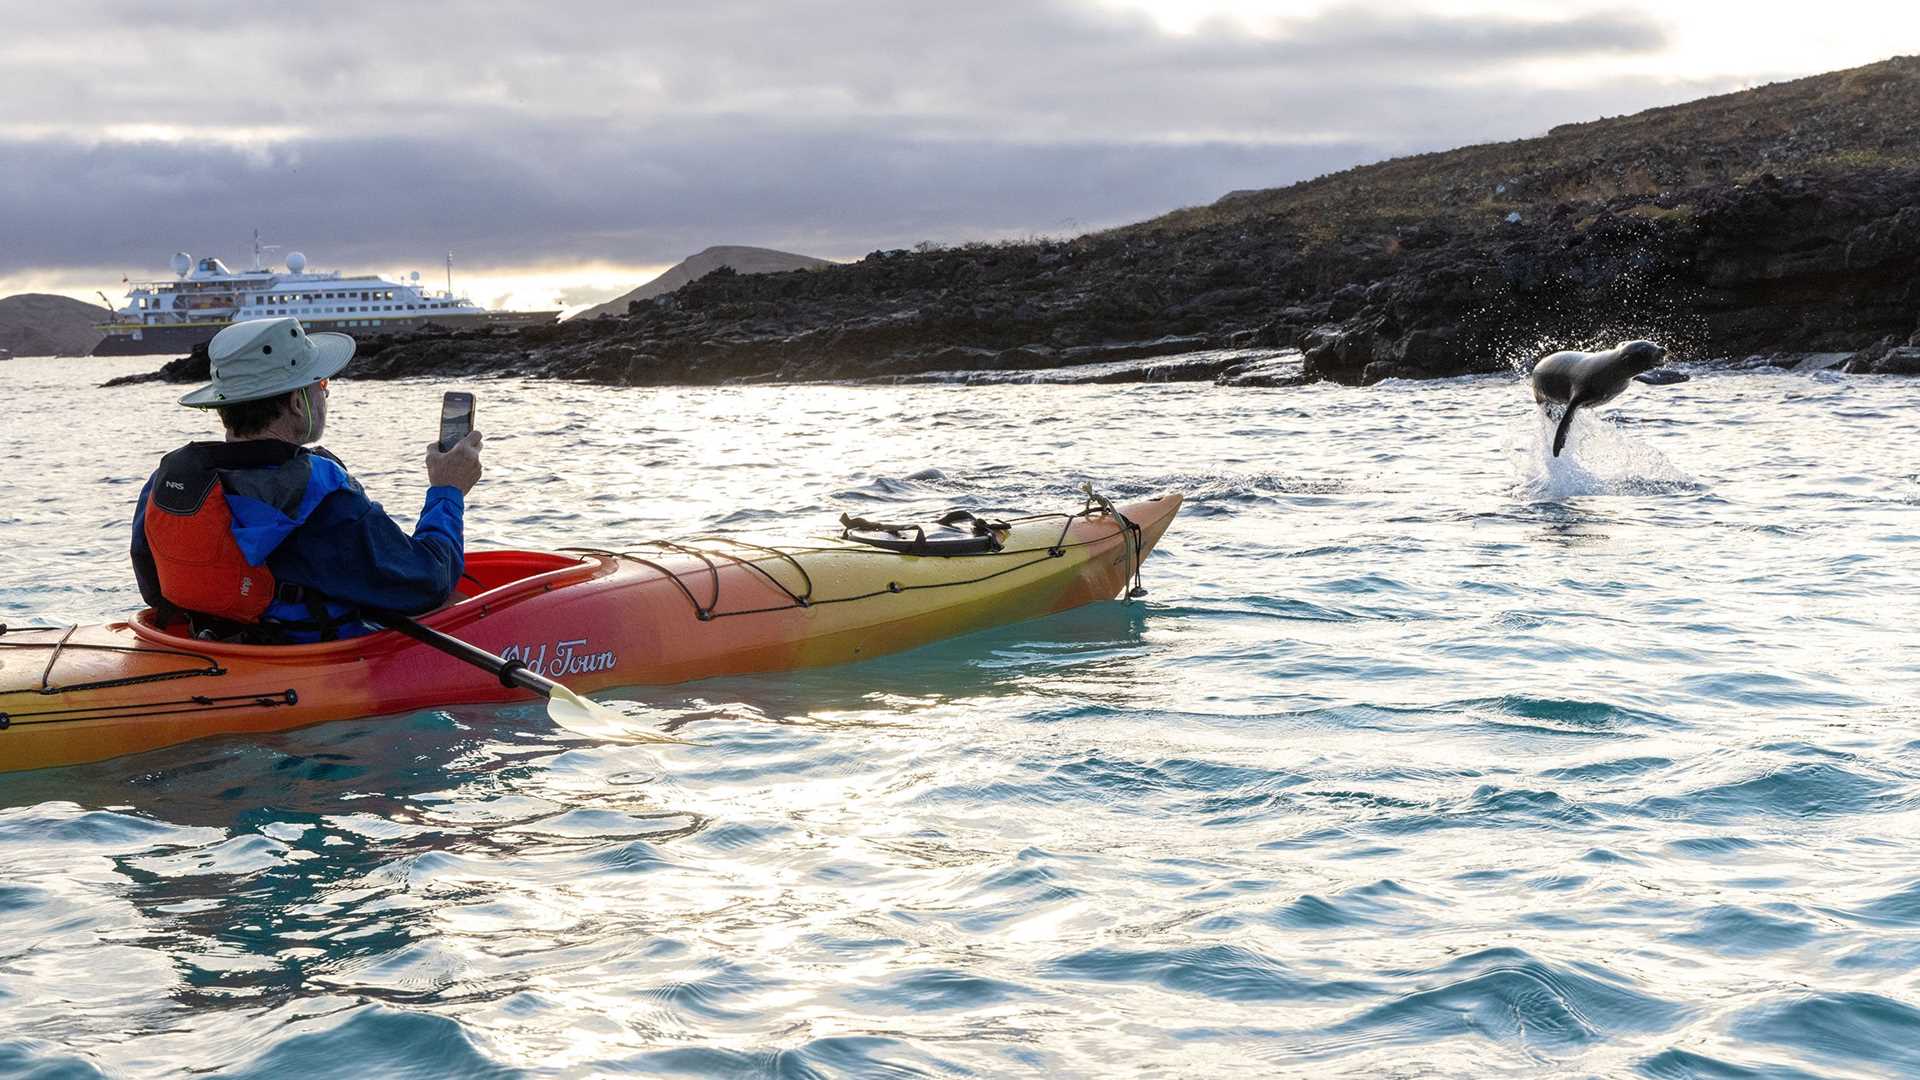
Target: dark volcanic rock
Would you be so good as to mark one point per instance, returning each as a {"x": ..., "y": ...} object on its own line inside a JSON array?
[
  {"x": 1904, "y": 360},
  {"x": 192, "y": 368}
]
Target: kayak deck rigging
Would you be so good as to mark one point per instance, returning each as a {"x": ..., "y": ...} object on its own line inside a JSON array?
[
  {"x": 1096, "y": 504},
  {"x": 64, "y": 645}
]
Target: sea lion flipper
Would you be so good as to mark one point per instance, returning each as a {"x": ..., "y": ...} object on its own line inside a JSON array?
[{"x": 1566, "y": 424}]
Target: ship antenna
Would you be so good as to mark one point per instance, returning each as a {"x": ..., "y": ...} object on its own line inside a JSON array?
[
  {"x": 449, "y": 275},
  {"x": 259, "y": 248}
]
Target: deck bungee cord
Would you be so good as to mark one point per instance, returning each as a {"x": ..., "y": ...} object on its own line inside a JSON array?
[{"x": 65, "y": 644}]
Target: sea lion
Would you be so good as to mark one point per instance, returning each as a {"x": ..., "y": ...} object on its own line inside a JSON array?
[{"x": 1574, "y": 378}]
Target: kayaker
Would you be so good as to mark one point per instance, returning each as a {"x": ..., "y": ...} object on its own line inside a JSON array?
[{"x": 264, "y": 537}]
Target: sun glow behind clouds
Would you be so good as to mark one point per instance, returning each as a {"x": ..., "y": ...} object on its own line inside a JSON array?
[
  {"x": 1704, "y": 38},
  {"x": 570, "y": 288}
]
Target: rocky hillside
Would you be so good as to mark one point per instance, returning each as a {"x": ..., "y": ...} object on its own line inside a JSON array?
[
  {"x": 1862, "y": 119},
  {"x": 1777, "y": 220},
  {"x": 41, "y": 324},
  {"x": 742, "y": 260}
]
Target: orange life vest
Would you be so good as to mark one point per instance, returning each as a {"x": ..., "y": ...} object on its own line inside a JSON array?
[{"x": 190, "y": 531}]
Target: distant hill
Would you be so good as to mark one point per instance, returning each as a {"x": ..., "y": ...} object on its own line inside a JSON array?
[
  {"x": 743, "y": 260},
  {"x": 41, "y": 324}
]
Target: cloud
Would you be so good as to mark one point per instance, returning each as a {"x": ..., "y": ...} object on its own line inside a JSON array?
[
  {"x": 377, "y": 133},
  {"x": 572, "y": 195},
  {"x": 1001, "y": 68}
]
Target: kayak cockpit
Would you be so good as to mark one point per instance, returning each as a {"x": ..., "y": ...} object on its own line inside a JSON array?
[
  {"x": 490, "y": 570},
  {"x": 491, "y": 579}
]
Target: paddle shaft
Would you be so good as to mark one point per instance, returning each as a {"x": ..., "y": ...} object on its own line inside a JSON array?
[{"x": 508, "y": 672}]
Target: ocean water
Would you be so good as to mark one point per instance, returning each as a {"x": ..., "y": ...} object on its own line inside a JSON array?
[{"x": 1425, "y": 756}]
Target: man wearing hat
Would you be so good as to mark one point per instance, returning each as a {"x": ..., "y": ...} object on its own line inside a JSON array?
[{"x": 264, "y": 538}]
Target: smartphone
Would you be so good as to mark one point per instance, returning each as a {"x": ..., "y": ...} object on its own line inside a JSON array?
[{"x": 456, "y": 418}]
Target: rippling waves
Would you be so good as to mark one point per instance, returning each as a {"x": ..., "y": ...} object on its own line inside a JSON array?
[{"x": 1428, "y": 754}]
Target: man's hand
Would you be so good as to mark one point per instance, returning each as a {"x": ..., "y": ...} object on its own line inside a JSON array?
[{"x": 458, "y": 467}]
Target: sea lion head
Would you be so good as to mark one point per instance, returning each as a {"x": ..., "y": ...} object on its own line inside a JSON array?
[{"x": 1640, "y": 356}]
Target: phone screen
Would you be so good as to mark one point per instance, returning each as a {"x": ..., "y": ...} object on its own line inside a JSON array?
[{"x": 456, "y": 418}]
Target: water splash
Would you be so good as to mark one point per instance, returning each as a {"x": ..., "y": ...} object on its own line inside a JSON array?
[{"x": 1600, "y": 458}]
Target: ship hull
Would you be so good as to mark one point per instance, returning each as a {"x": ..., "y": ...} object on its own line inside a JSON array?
[{"x": 123, "y": 340}]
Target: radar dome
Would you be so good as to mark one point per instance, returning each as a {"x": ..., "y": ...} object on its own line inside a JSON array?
[
  {"x": 296, "y": 262},
  {"x": 182, "y": 262},
  {"x": 415, "y": 276}
]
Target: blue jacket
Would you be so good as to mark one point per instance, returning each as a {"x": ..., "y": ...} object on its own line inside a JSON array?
[{"x": 298, "y": 512}]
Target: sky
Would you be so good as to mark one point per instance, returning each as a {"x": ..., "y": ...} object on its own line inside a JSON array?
[{"x": 567, "y": 152}]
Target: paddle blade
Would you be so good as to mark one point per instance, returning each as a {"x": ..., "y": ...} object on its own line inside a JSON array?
[{"x": 594, "y": 720}]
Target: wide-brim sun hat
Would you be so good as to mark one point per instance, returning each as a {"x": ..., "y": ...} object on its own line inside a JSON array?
[{"x": 263, "y": 358}]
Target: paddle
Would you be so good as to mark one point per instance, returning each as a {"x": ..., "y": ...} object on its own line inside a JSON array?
[{"x": 566, "y": 708}]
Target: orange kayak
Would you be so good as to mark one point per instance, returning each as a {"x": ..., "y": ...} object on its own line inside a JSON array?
[{"x": 664, "y": 613}]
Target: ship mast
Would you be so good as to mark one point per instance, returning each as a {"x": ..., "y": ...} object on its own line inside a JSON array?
[
  {"x": 259, "y": 249},
  {"x": 449, "y": 275}
]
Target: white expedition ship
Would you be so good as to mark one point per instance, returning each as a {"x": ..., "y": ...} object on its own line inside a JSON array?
[{"x": 174, "y": 316}]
